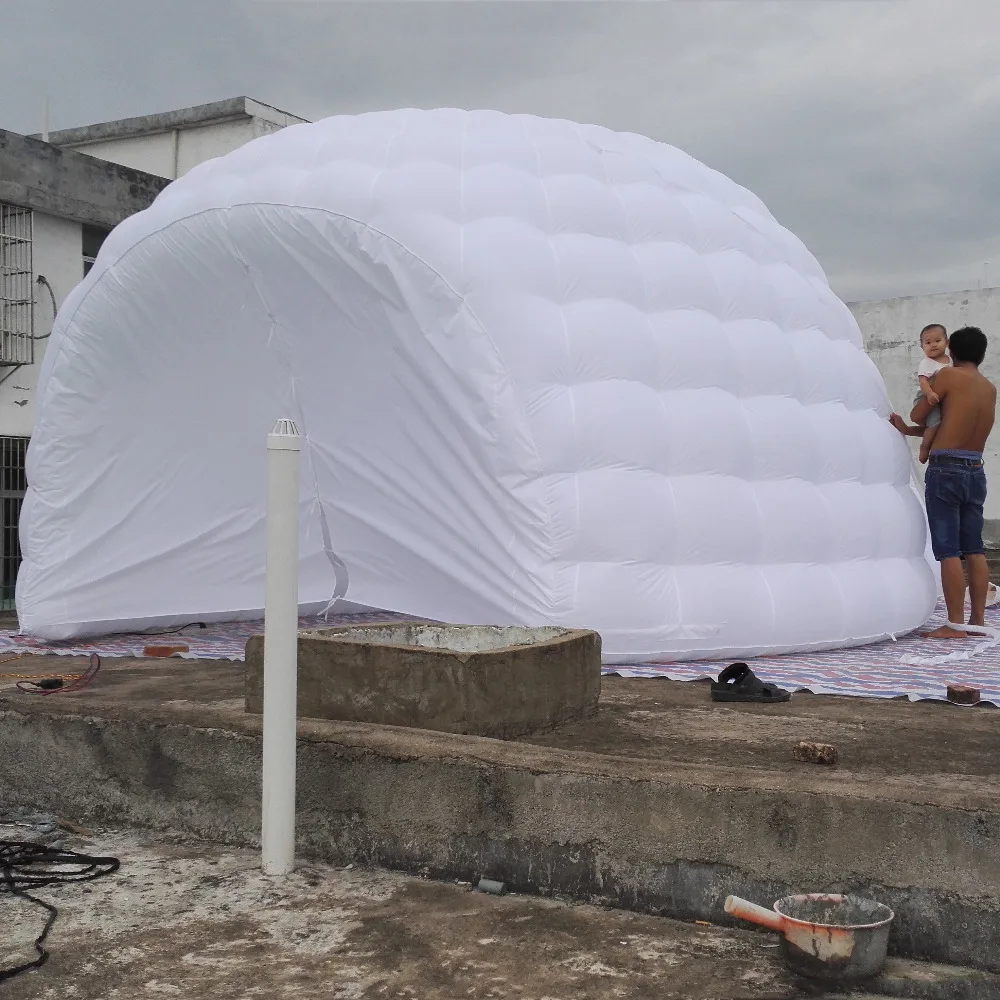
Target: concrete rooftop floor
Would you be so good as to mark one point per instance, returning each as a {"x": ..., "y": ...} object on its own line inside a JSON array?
[
  {"x": 661, "y": 794},
  {"x": 189, "y": 919},
  {"x": 193, "y": 920}
]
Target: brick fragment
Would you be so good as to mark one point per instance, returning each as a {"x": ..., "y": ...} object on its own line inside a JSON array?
[
  {"x": 962, "y": 694},
  {"x": 166, "y": 649}
]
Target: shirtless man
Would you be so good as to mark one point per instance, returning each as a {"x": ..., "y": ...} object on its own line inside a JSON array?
[{"x": 955, "y": 483}]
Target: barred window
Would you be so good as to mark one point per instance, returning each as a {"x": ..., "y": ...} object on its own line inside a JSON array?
[
  {"x": 16, "y": 288},
  {"x": 13, "y": 484}
]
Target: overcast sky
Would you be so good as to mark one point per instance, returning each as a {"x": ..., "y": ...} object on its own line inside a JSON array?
[{"x": 871, "y": 128}]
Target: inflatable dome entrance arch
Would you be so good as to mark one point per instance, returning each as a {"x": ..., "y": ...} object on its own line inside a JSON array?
[{"x": 547, "y": 373}]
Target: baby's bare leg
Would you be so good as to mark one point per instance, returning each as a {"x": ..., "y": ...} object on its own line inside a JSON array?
[{"x": 926, "y": 441}]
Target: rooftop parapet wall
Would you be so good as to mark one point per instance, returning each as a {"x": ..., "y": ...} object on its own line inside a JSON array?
[{"x": 71, "y": 185}]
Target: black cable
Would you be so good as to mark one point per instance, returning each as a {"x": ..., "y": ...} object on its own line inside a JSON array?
[
  {"x": 42, "y": 280},
  {"x": 46, "y": 685},
  {"x": 174, "y": 631},
  {"x": 25, "y": 866}
]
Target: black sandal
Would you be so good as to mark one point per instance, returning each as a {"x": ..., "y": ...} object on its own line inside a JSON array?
[{"x": 739, "y": 683}]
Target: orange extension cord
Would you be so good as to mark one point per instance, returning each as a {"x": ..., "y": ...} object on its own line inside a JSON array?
[{"x": 53, "y": 683}]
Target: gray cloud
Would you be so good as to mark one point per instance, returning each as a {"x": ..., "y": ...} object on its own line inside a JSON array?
[{"x": 871, "y": 129}]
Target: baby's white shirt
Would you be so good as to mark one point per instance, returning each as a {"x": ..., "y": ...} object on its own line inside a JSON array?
[{"x": 928, "y": 367}]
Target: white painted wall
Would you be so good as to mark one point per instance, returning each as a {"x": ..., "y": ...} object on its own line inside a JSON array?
[
  {"x": 209, "y": 141},
  {"x": 891, "y": 330},
  {"x": 57, "y": 252},
  {"x": 173, "y": 154},
  {"x": 152, "y": 153}
]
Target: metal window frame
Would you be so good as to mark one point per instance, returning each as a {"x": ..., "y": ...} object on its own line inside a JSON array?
[
  {"x": 92, "y": 238},
  {"x": 13, "y": 486},
  {"x": 17, "y": 288}
]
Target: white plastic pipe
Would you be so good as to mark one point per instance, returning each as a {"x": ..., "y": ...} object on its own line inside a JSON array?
[{"x": 281, "y": 634}]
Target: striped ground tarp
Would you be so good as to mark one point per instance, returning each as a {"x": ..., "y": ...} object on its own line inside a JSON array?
[
  {"x": 874, "y": 671},
  {"x": 220, "y": 641}
]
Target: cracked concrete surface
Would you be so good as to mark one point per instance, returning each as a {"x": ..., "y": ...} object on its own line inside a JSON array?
[
  {"x": 663, "y": 802},
  {"x": 196, "y": 920}
]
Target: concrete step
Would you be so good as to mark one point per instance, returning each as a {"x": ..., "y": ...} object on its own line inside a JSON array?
[
  {"x": 663, "y": 803},
  {"x": 908, "y": 980},
  {"x": 911, "y": 980}
]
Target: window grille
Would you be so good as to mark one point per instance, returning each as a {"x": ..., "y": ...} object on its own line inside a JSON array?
[
  {"x": 17, "y": 301},
  {"x": 13, "y": 484}
]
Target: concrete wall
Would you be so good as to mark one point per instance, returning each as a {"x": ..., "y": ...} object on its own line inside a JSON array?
[
  {"x": 891, "y": 329},
  {"x": 57, "y": 253},
  {"x": 172, "y": 154},
  {"x": 70, "y": 185}
]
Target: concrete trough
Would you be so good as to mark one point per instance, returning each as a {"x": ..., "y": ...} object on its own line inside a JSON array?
[{"x": 476, "y": 680}]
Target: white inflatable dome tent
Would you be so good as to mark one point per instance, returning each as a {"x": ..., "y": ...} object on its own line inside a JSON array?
[{"x": 548, "y": 373}]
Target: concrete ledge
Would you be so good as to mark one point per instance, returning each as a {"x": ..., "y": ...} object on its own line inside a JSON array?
[
  {"x": 232, "y": 109},
  {"x": 927, "y": 981},
  {"x": 71, "y": 185},
  {"x": 657, "y": 835}
]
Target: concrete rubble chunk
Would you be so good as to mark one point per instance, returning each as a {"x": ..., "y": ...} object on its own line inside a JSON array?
[{"x": 815, "y": 753}]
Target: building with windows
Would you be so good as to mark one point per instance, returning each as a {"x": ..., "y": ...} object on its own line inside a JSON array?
[{"x": 58, "y": 201}]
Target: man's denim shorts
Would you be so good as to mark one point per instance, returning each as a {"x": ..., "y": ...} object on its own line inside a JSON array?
[{"x": 955, "y": 491}]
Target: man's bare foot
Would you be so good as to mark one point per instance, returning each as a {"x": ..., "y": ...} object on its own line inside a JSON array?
[{"x": 946, "y": 632}]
